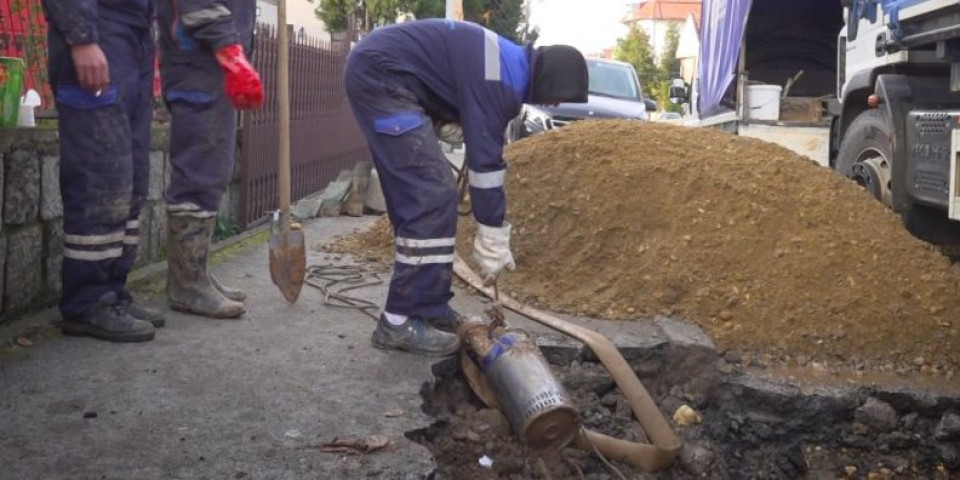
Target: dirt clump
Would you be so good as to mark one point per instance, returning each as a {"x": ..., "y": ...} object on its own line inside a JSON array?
[{"x": 772, "y": 254}]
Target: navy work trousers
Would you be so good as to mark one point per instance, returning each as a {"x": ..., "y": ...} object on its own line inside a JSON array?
[
  {"x": 417, "y": 181},
  {"x": 104, "y": 162},
  {"x": 203, "y": 132}
]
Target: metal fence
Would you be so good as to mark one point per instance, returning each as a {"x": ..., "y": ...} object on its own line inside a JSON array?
[{"x": 324, "y": 137}]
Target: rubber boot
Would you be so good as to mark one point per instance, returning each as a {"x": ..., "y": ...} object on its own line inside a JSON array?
[
  {"x": 188, "y": 283},
  {"x": 231, "y": 293},
  {"x": 109, "y": 320}
]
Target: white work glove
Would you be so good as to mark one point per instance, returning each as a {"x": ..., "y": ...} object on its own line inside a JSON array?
[
  {"x": 449, "y": 132},
  {"x": 491, "y": 251}
]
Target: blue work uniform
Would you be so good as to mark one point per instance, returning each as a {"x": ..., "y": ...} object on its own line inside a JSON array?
[
  {"x": 104, "y": 143},
  {"x": 203, "y": 131},
  {"x": 400, "y": 79}
]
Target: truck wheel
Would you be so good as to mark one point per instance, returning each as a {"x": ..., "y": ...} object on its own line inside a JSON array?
[
  {"x": 865, "y": 154},
  {"x": 865, "y": 157}
]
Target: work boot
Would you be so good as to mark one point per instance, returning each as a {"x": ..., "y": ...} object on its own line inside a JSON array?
[
  {"x": 189, "y": 288},
  {"x": 449, "y": 322},
  {"x": 109, "y": 320},
  {"x": 414, "y": 336},
  {"x": 232, "y": 294},
  {"x": 140, "y": 312}
]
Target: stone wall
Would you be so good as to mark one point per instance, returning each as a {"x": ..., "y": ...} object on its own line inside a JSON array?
[{"x": 31, "y": 217}]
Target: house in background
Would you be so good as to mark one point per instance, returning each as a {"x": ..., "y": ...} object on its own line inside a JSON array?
[
  {"x": 301, "y": 16},
  {"x": 656, "y": 16},
  {"x": 688, "y": 50}
]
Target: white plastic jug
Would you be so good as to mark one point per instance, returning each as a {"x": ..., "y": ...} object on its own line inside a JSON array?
[{"x": 29, "y": 102}]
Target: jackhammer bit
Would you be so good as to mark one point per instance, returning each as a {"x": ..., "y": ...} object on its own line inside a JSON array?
[{"x": 495, "y": 313}]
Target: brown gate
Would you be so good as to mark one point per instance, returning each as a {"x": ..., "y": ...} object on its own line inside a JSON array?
[{"x": 324, "y": 137}]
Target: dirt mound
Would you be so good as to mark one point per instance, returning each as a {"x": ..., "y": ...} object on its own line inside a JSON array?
[
  {"x": 766, "y": 250},
  {"x": 770, "y": 253}
]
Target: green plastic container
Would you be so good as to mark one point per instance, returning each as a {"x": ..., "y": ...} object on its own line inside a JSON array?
[{"x": 11, "y": 87}]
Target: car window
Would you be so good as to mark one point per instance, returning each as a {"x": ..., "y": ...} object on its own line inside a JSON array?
[{"x": 612, "y": 80}]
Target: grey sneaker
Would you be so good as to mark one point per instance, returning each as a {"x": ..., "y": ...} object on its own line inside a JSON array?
[
  {"x": 109, "y": 320},
  {"x": 415, "y": 336},
  {"x": 140, "y": 312},
  {"x": 449, "y": 322}
]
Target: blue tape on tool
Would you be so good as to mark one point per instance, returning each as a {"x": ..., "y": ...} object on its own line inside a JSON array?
[{"x": 500, "y": 347}]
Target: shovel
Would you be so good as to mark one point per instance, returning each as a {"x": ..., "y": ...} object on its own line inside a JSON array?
[{"x": 288, "y": 259}]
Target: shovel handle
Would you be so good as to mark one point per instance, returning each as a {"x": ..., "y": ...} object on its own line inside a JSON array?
[{"x": 283, "y": 101}]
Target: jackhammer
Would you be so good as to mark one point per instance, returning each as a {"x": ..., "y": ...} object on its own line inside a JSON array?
[{"x": 506, "y": 370}]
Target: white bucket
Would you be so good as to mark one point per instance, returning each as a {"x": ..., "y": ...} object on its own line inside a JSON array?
[
  {"x": 763, "y": 102},
  {"x": 28, "y": 103}
]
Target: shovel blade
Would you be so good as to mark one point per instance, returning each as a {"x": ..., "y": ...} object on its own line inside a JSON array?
[{"x": 288, "y": 263}]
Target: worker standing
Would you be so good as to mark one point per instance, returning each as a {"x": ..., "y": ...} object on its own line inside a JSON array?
[
  {"x": 206, "y": 77},
  {"x": 405, "y": 82},
  {"x": 101, "y": 59}
]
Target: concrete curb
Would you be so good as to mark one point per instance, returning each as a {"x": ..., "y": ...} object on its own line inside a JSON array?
[{"x": 31, "y": 321}]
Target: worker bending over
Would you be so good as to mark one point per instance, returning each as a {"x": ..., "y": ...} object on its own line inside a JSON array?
[{"x": 403, "y": 81}]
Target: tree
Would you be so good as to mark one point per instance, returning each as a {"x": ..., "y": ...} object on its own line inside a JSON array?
[
  {"x": 336, "y": 13},
  {"x": 669, "y": 68},
  {"x": 509, "y": 18},
  {"x": 635, "y": 49},
  {"x": 669, "y": 63}
]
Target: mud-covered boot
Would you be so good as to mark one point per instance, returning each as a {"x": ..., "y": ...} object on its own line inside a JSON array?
[
  {"x": 188, "y": 283},
  {"x": 414, "y": 336},
  {"x": 141, "y": 312},
  {"x": 231, "y": 293},
  {"x": 109, "y": 320}
]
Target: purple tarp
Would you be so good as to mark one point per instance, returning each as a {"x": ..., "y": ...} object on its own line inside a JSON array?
[{"x": 721, "y": 34}]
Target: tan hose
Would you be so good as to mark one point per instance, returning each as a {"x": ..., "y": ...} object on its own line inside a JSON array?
[{"x": 648, "y": 457}]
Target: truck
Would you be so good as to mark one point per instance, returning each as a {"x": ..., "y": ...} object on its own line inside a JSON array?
[
  {"x": 897, "y": 130},
  {"x": 765, "y": 69},
  {"x": 882, "y": 82}
]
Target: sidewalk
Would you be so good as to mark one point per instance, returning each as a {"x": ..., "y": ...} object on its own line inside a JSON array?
[
  {"x": 219, "y": 399},
  {"x": 249, "y": 398}
]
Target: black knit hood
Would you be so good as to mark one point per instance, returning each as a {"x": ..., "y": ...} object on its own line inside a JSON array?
[{"x": 559, "y": 74}]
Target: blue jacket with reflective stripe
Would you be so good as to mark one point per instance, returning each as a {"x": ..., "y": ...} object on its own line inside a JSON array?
[
  {"x": 205, "y": 26},
  {"x": 475, "y": 76},
  {"x": 76, "y": 20}
]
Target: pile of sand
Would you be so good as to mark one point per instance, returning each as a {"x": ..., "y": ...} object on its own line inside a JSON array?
[{"x": 767, "y": 251}]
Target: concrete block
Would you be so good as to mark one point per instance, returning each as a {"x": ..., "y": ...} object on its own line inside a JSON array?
[
  {"x": 334, "y": 195},
  {"x": 51, "y": 204},
  {"x": 146, "y": 244},
  {"x": 3, "y": 262},
  {"x": 53, "y": 256},
  {"x": 358, "y": 189},
  {"x": 158, "y": 232},
  {"x": 374, "y": 200},
  {"x": 21, "y": 187},
  {"x": 307, "y": 207},
  {"x": 167, "y": 169},
  {"x": 24, "y": 267},
  {"x": 157, "y": 175}
]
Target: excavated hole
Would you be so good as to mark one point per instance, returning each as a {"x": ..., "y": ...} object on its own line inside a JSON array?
[{"x": 752, "y": 427}]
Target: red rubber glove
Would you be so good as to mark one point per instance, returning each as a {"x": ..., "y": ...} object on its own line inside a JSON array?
[{"x": 242, "y": 80}]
